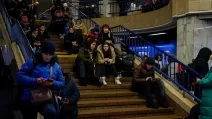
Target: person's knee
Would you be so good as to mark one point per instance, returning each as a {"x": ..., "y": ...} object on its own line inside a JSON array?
[{"x": 49, "y": 110}]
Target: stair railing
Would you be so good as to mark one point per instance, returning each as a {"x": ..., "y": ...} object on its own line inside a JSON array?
[
  {"x": 16, "y": 32},
  {"x": 172, "y": 69}
]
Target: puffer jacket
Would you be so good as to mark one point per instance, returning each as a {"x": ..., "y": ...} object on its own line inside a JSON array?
[
  {"x": 82, "y": 27},
  {"x": 28, "y": 74},
  {"x": 100, "y": 55},
  {"x": 206, "y": 103}
]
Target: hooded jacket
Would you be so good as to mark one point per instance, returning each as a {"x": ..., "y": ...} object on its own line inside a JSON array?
[{"x": 201, "y": 61}]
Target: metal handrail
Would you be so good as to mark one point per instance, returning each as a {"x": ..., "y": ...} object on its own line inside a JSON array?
[{"x": 173, "y": 58}]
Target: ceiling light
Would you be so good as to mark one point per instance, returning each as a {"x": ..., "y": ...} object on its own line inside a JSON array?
[{"x": 156, "y": 34}]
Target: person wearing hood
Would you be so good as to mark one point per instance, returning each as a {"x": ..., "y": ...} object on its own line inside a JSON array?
[
  {"x": 201, "y": 66},
  {"x": 71, "y": 42},
  {"x": 105, "y": 34},
  {"x": 68, "y": 97},
  {"x": 80, "y": 28},
  {"x": 206, "y": 86},
  {"x": 144, "y": 77},
  {"x": 40, "y": 72}
]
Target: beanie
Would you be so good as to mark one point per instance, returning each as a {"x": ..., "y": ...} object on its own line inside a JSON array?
[
  {"x": 48, "y": 47},
  {"x": 150, "y": 61}
]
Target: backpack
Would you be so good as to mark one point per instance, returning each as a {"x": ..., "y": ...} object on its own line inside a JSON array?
[{"x": 127, "y": 61}]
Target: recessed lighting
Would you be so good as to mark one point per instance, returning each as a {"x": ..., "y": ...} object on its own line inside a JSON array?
[{"x": 156, "y": 34}]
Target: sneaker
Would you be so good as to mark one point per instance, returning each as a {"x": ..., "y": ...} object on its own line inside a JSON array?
[
  {"x": 117, "y": 81},
  {"x": 103, "y": 80}
]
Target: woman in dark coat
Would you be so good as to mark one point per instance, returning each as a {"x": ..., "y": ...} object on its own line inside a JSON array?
[
  {"x": 86, "y": 63},
  {"x": 201, "y": 66}
]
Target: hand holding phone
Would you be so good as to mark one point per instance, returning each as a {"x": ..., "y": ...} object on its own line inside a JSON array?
[{"x": 49, "y": 82}]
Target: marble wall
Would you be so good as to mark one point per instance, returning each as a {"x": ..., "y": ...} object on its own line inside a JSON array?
[{"x": 189, "y": 38}]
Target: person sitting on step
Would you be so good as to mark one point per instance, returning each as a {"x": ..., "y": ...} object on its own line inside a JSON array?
[
  {"x": 69, "y": 97},
  {"x": 106, "y": 59},
  {"x": 144, "y": 76},
  {"x": 71, "y": 42},
  {"x": 86, "y": 63}
]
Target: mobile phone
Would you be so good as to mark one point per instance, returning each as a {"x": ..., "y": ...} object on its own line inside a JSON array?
[{"x": 64, "y": 99}]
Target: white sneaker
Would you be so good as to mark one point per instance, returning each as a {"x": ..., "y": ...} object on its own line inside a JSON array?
[
  {"x": 117, "y": 81},
  {"x": 103, "y": 80}
]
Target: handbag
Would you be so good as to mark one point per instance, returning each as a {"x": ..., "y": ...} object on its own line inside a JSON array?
[{"x": 42, "y": 94}]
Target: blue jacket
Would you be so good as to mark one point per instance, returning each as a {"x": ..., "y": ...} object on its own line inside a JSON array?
[
  {"x": 27, "y": 76},
  {"x": 66, "y": 28},
  {"x": 71, "y": 92}
]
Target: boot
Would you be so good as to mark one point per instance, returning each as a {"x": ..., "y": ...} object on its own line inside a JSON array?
[
  {"x": 103, "y": 80},
  {"x": 117, "y": 81}
]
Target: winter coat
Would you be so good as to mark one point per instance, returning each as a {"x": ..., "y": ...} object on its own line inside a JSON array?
[
  {"x": 101, "y": 57},
  {"x": 71, "y": 92},
  {"x": 141, "y": 72},
  {"x": 82, "y": 27},
  {"x": 206, "y": 103},
  {"x": 28, "y": 74},
  {"x": 84, "y": 56}
]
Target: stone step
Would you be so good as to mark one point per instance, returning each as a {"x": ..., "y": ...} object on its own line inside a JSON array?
[
  {"x": 172, "y": 116},
  {"x": 141, "y": 110},
  {"x": 99, "y": 103},
  {"x": 109, "y": 98},
  {"x": 107, "y": 94},
  {"x": 62, "y": 53},
  {"x": 123, "y": 80},
  {"x": 90, "y": 87}
]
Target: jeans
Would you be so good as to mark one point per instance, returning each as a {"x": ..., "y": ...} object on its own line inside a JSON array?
[
  {"x": 29, "y": 111},
  {"x": 148, "y": 88},
  {"x": 69, "y": 112}
]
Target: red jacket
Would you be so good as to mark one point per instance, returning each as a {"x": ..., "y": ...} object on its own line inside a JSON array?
[{"x": 92, "y": 35}]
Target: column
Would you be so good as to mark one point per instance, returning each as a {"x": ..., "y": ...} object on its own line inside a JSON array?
[
  {"x": 190, "y": 37},
  {"x": 105, "y": 8},
  {"x": 74, "y": 11}
]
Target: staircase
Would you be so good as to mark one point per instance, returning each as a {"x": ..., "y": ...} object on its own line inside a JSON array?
[{"x": 111, "y": 101}]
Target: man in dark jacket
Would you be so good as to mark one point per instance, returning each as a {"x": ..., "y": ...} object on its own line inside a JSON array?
[
  {"x": 144, "y": 76},
  {"x": 69, "y": 97}
]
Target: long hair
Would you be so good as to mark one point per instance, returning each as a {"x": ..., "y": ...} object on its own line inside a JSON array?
[
  {"x": 89, "y": 42},
  {"x": 107, "y": 53}
]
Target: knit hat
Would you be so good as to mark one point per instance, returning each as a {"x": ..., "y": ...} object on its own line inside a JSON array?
[
  {"x": 48, "y": 47},
  {"x": 150, "y": 61}
]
